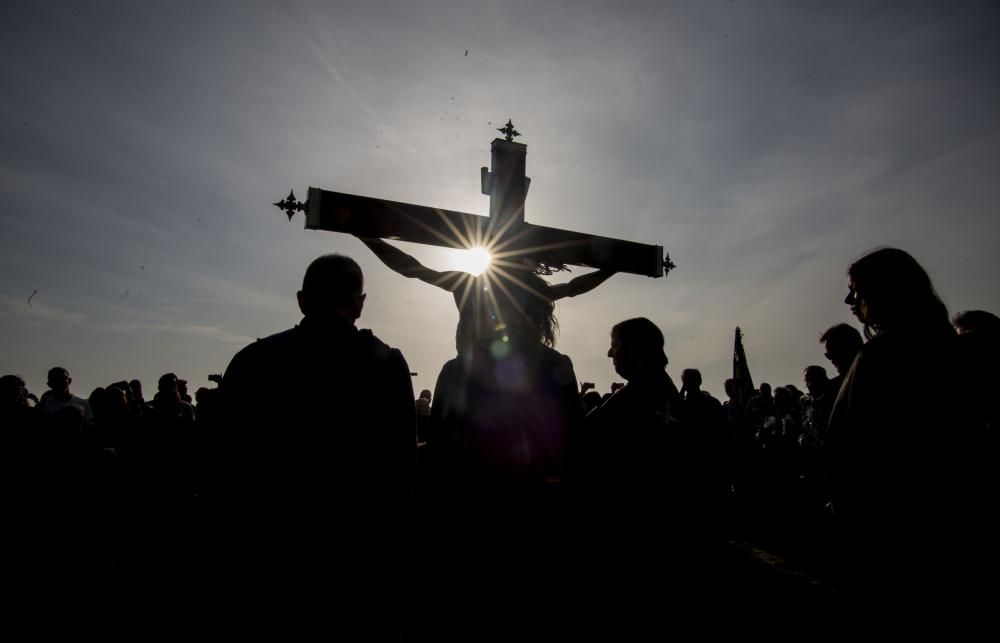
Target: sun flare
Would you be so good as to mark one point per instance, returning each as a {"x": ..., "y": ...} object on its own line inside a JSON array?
[{"x": 474, "y": 260}]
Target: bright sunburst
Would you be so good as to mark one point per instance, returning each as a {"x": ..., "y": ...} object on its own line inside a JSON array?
[{"x": 474, "y": 260}]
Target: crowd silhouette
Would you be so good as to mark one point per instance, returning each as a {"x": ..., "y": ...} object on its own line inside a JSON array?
[{"x": 311, "y": 487}]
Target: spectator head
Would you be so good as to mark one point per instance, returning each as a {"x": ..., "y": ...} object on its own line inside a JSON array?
[
  {"x": 637, "y": 348},
  {"x": 591, "y": 400},
  {"x": 12, "y": 392},
  {"x": 784, "y": 401},
  {"x": 167, "y": 386},
  {"x": 59, "y": 380},
  {"x": 116, "y": 398},
  {"x": 889, "y": 290},
  {"x": 842, "y": 343},
  {"x": 425, "y": 394},
  {"x": 182, "y": 387},
  {"x": 815, "y": 379},
  {"x": 136, "y": 387},
  {"x": 691, "y": 380},
  {"x": 96, "y": 396},
  {"x": 123, "y": 385},
  {"x": 333, "y": 286},
  {"x": 765, "y": 389},
  {"x": 206, "y": 398},
  {"x": 730, "y": 386},
  {"x": 977, "y": 321},
  {"x": 201, "y": 395}
]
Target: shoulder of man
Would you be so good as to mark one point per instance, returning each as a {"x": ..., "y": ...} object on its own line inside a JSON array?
[
  {"x": 378, "y": 349},
  {"x": 277, "y": 341},
  {"x": 264, "y": 349},
  {"x": 79, "y": 401}
]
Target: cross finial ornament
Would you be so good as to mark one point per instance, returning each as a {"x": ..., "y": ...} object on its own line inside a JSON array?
[
  {"x": 508, "y": 131},
  {"x": 291, "y": 205}
]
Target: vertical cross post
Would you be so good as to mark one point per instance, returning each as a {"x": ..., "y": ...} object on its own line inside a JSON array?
[{"x": 506, "y": 184}]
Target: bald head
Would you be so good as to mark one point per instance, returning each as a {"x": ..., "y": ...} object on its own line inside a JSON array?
[{"x": 333, "y": 286}]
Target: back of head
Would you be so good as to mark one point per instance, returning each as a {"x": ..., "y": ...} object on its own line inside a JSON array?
[
  {"x": 11, "y": 391},
  {"x": 815, "y": 373},
  {"x": 977, "y": 321},
  {"x": 898, "y": 294},
  {"x": 691, "y": 379},
  {"x": 591, "y": 400},
  {"x": 116, "y": 398},
  {"x": 644, "y": 338},
  {"x": 167, "y": 383},
  {"x": 784, "y": 399},
  {"x": 518, "y": 310},
  {"x": 843, "y": 342},
  {"x": 331, "y": 284},
  {"x": 842, "y": 337},
  {"x": 59, "y": 379}
]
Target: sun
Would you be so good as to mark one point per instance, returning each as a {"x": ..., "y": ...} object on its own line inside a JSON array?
[{"x": 473, "y": 261}]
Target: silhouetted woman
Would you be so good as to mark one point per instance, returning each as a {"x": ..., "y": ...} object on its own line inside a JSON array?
[
  {"x": 645, "y": 483},
  {"x": 622, "y": 460},
  {"x": 900, "y": 451}
]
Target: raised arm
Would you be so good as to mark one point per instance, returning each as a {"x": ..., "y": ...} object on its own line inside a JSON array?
[
  {"x": 407, "y": 266},
  {"x": 579, "y": 285}
]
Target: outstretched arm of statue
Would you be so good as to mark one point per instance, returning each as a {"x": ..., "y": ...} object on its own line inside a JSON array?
[
  {"x": 579, "y": 285},
  {"x": 407, "y": 266}
]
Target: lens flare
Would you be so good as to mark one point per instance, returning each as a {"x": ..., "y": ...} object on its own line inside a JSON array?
[{"x": 474, "y": 260}]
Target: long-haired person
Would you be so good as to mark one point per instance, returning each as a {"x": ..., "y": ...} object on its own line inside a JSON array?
[
  {"x": 503, "y": 411},
  {"x": 901, "y": 449}
]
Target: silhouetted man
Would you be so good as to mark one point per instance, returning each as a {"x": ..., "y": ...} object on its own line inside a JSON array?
[
  {"x": 842, "y": 343},
  {"x": 708, "y": 436},
  {"x": 422, "y": 405},
  {"x": 182, "y": 391},
  {"x": 58, "y": 398},
  {"x": 135, "y": 388},
  {"x": 168, "y": 410},
  {"x": 14, "y": 409},
  {"x": 817, "y": 405},
  {"x": 318, "y": 450}
]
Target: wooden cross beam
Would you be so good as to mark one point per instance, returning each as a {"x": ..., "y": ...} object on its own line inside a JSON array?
[{"x": 504, "y": 232}]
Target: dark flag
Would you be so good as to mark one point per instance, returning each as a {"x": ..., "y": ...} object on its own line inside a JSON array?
[{"x": 741, "y": 372}]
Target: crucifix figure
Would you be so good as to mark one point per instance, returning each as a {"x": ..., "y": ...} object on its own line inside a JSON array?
[{"x": 518, "y": 249}]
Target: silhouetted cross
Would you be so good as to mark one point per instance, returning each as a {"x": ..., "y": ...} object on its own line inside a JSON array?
[{"x": 504, "y": 232}]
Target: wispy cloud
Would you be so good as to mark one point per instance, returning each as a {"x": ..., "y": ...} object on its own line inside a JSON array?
[
  {"x": 22, "y": 313},
  {"x": 210, "y": 332}
]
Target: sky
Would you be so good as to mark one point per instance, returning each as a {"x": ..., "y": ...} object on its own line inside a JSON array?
[{"x": 764, "y": 145}]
